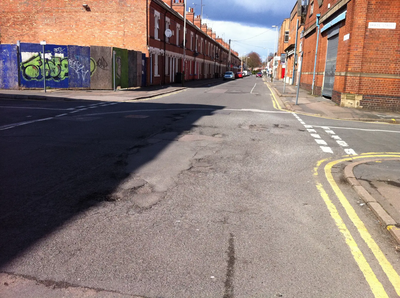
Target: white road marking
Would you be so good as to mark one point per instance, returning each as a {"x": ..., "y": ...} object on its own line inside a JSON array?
[
  {"x": 315, "y": 135},
  {"x": 321, "y": 142},
  {"x": 350, "y": 152},
  {"x": 6, "y": 127},
  {"x": 33, "y": 108},
  {"x": 326, "y": 149},
  {"x": 362, "y": 129},
  {"x": 253, "y": 88},
  {"x": 342, "y": 143},
  {"x": 72, "y": 111},
  {"x": 61, "y": 115}
]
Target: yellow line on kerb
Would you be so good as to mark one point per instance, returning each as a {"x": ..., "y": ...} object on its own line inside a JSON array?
[
  {"x": 370, "y": 276},
  {"x": 275, "y": 103},
  {"x": 375, "y": 285}
]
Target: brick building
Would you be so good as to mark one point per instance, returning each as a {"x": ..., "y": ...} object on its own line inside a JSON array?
[
  {"x": 139, "y": 25},
  {"x": 353, "y": 45},
  {"x": 283, "y": 39},
  {"x": 358, "y": 59}
]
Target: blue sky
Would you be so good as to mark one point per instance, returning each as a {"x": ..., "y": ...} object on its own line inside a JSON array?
[{"x": 248, "y": 23}]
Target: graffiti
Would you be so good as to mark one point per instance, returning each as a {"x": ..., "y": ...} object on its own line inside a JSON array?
[
  {"x": 78, "y": 67},
  {"x": 118, "y": 62},
  {"x": 31, "y": 69},
  {"x": 102, "y": 63},
  {"x": 59, "y": 50},
  {"x": 56, "y": 68},
  {"x": 93, "y": 66}
]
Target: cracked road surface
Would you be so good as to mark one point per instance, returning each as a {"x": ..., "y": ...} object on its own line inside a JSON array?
[{"x": 210, "y": 192}]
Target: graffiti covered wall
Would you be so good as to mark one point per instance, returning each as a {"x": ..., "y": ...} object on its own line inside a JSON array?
[
  {"x": 101, "y": 67},
  {"x": 67, "y": 67},
  {"x": 8, "y": 66},
  {"x": 121, "y": 68},
  {"x": 55, "y": 66},
  {"x": 79, "y": 70}
]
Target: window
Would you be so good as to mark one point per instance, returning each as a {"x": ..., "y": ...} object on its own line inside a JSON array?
[
  {"x": 166, "y": 65},
  {"x": 202, "y": 46},
  {"x": 286, "y": 36},
  {"x": 178, "y": 29},
  {"x": 311, "y": 8},
  {"x": 156, "y": 24},
  {"x": 197, "y": 42},
  {"x": 191, "y": 41}
]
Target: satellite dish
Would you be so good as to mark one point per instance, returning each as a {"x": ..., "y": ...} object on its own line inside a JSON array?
[{"x": 168, "y": 33}]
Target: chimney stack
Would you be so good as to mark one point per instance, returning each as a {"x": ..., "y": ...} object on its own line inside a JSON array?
[
  {"x": 179, "y": 6},
  {"x": 168, "y": 2},
  {"x": 197, "y": 21},
  {"x": 190, "y": 15}
]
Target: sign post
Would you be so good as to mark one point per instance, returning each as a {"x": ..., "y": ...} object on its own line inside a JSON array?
[
  {"x": 283, "y": 61},
  {"x": 43, "y": 43}
]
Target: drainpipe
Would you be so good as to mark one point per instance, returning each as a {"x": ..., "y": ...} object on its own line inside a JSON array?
[
  {"x": 316, "y": 53},
  {"x": 165, "y": 42},
  {"x": 295, "y": 54}
]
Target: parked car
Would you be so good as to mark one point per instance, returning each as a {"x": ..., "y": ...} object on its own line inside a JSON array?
[
  {"x": 259, "y": 75},
  {"x": 239, "y": 75},
  {"x": 245, "y": 73},
  {"x": 229, "y": 75}
]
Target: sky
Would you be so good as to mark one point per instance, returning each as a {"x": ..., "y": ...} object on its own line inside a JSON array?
[{"x": 248, "y": 23}]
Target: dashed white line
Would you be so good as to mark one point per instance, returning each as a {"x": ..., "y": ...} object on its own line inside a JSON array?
[
  {"x": 321, "y": 142},
  {"x": 61, "y": 115},
  {"x": 325, "y": 148},
  {"x": 315, "y": 135},
  {"x": 342, "y": 143},
  {"x": 350, "y": 152},
  {"x": 72, "y": 111}
]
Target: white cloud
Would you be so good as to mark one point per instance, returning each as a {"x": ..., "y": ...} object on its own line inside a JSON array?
[{"x": 245, "y": 39}]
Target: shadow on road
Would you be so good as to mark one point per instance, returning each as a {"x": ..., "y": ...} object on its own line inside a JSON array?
[{"x": 54, "y": 170}]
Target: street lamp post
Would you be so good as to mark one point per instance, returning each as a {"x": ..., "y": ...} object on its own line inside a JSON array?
[
  {"x": 43, "y": 43},
  {"x": 276, "y": 51}
]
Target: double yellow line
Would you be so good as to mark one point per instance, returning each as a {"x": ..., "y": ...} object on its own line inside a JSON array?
[{"x": 375, "y": 285}]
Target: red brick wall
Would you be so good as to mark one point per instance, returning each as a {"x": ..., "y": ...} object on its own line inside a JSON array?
[
  {"x": 368, "y": 63},
  {"x": 108, "y": 23}
]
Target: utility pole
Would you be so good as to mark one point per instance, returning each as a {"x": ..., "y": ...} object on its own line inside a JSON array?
[
  {"x": 295, "y": 54},
  {"x": 316, "y": 54},
  {"x": 184, "y": 45},
  {"x": 229, "y": 59}
]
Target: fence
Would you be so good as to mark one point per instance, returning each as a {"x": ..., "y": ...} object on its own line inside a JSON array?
[{"x": 69, "y": 67}]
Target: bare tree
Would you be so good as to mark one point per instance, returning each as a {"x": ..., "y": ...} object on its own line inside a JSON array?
[{"x": 254, "y": 60}]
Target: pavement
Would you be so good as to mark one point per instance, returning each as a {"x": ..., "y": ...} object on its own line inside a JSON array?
[{"x": 376, "y": 179}]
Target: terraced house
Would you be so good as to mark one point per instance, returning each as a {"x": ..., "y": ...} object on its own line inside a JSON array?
[{"x": 91, "y": 44}]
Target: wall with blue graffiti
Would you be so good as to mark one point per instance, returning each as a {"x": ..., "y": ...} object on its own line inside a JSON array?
[
  {"x": 8, "y": 66},
  {"x": 64, "y": 66}
]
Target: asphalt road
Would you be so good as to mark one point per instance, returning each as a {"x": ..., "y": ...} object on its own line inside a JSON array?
[{"x": 209, "y": 192}]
